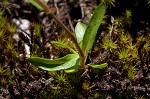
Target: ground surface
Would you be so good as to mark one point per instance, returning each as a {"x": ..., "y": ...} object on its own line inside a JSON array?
[{"x": 24, "y": 81}]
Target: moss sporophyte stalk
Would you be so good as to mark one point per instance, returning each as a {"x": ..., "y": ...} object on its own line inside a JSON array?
[{"x": 83, "y": 39}]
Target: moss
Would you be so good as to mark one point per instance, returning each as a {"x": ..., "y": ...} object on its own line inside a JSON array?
[
  {"x": 6, "y": 77},
  {"x": 126, "y": 56}
]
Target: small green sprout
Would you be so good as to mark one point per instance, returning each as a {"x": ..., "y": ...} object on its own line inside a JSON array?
[
  {"x": 1, "y": 13},
  {"x": 12, "y": 28},
  {"x": 132, "y": 49},
  {"x": 128, "y": 15},
  {"x": 132, "y": 72},
  {"x": 124, "y": 38},
  {"x": 3, "y": 22},
  {"x": 134, "y": 53},
  {"x": 146, "y": 47},
  {"x": 3, "y": 80},
  {"x": 37, "y": 29},
  {"x": 140, "y": 97},
  {"x": 125, "y": 67},
  {"x": 108, "y": 44},
  {"x": 61, "y": 78},
  {"x": 10, "y": 46},
  {"x": 118, "y": 22},
  {"x": 124, "y": 54},
  {"x": 2, "y": 71},
  {"x": 2, "y": 35},
  {"x": 86, "y": 86},
  {"x": 130, "y": 46},
  {"x": 96, "y": 95},
  {"x": 15, "y": 55},
  {"x": 140, "y": 38},
  {"x": 6, "y": 76}
]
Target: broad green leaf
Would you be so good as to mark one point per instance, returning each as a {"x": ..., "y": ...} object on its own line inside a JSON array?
[
  {"x": 63, "y": 46},
  {"x": 64, "y": 66},
  {"x": 79, "y": 31},
  {"x": 54, "y": 65},
  {"x": 92, "y": 27},
  {"x": 101, "y": 66},
  {"x": 36, "y": 5},
  {"x": 72, "y": 69},
  {"x": 44, "y": 61}
]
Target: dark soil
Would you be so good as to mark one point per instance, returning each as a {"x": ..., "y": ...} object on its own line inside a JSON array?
[{"x": 28, "y": 82}]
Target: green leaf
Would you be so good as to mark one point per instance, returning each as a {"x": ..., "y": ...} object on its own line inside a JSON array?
[
  {"x": 64, "y": 66},
  {"x": 92, "y": 28},
  {"x": 36, "y": 5},
  {"x": 63, "y": 46},
  {"x": 44, "y": 61},
  {"x": 79, "y": 31},
  {"x": 65, "y": 62},
  {"x": 73, "y": 69},
  {"x": 101, "y": 66}
]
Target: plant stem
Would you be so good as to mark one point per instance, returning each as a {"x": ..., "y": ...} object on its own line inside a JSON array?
[
  {"x": 72, "y": 36},
  {"x": 69, "y": 33}
]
